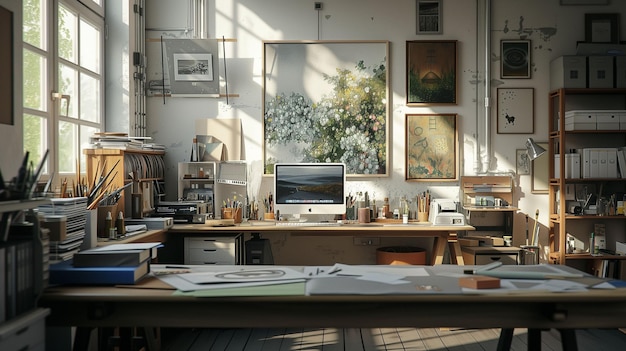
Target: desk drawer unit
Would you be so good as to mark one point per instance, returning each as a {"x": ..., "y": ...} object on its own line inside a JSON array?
[
  {"x": 480, "y": 255},
  {"x": 26, "y": 332},
  {"x": 212, "y": 250}
]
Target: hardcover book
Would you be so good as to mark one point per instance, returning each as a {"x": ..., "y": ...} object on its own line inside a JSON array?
[
  {"x": 66, "y": 273},
  {"x": 111, "y": 258}
]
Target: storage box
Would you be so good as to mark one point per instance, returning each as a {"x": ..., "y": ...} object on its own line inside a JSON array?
[
  {"x": 608, "y": 120},
  {"x": 599, "y": 163},
  {"x": 580, "y": 120},
  {"x": 620, "y": 71},
  {"x": 568, "y": 72},
  {"x": 572, "y": 166},
  {"x": 600, "y": 72},
  {"x": 620, "y": 248}
]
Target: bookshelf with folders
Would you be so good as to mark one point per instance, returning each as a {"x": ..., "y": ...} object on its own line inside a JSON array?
[
  {"x": 22, "y": 274},
  {"x": 148, "y": 166},
  {"x": 587, "y": 132}
]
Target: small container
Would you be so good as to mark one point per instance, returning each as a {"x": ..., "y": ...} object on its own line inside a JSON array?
[{"x": 201, "y": 173}]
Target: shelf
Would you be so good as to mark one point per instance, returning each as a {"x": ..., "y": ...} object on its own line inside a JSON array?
[
  {"x": 491, "y": 208},
  {"x": 594, "y": 217},
  {"x": 586, "y": 256}
]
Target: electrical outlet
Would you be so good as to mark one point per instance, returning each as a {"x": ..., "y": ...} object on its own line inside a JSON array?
[
  {"x": 318, "y": 6},
  {"x": 365, "y": 241}
]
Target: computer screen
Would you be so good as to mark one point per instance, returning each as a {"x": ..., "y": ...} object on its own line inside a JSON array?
[{"x": 310, "y": 188}]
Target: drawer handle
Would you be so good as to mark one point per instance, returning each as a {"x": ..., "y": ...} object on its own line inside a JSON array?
[
  {"x": 211, "y": 240},
  {"x": 495, "y": 258},
  {"x": 210, "y": 250},
  {"x": 22, "y": 331},
  {"x": 210, "y": 262}
]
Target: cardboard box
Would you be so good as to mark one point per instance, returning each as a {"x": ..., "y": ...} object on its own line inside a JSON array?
[
  {"x": 600, "y": 73},
  {"x": 580, "y": 120},
  {"x": 568, "y": 72},
  {"x": 620, "y": 71},
  {"x": 607, "y": 120}
]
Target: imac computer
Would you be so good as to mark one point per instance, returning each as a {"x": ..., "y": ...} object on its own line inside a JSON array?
[{"x": 309, "y": 188}]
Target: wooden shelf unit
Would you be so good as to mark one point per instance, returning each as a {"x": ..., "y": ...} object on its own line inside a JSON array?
[
  {"x": 149, "y": 164},
  {"x": 482, "y": 217},
  {"x": 561, "y": 142}
]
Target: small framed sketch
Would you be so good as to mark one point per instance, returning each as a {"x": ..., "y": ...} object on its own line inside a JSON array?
[
  {"x": 602, "y": 28},
  {"x": 522, "y": 162},
  {"x": 429, "y": 16},
  {"x": 193, "y": 67},
  {"x": 515, "y": 59},
  {"x": 516, "y": 111}
]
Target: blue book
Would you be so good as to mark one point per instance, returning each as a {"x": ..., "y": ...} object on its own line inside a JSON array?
[{"x": 66, "y": 273}]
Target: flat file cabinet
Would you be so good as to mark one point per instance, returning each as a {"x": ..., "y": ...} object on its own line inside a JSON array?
[
  {"x": 223, "y": 249},
  {"x": 480, "y": 255}
]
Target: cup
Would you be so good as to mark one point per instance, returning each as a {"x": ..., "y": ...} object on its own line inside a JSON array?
[
  {"x": 364, "y": 215},
  {"x": 405, "y": 218},
  {"x": 269, "y": 216},
  {"x": 422, "y": 216},
  {"x": 232, "y": 213}
]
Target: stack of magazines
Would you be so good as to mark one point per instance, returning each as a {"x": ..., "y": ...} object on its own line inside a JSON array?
[{"x": 74, "y": 210}]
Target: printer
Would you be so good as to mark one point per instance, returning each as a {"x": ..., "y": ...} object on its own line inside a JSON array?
[{"x": 444, "y": 212}]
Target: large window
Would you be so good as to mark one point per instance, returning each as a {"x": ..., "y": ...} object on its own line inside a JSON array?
[{"x": 63, "y": 81}]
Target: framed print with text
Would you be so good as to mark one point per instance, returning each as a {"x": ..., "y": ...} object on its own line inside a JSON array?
[{"x": 431, "y": 147}]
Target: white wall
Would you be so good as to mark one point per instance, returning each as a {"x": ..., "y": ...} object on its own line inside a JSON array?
[
  {"x": 11, "y": 135},
  {"x": 553, "y": 30}
]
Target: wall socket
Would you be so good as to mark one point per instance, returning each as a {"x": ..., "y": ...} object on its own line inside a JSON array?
[
  {"x": 318, "y": 6},
  {"x": 365, "y": 241}
]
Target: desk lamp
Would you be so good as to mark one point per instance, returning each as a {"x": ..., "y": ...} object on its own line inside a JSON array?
[{"x": 533, "y": 149}]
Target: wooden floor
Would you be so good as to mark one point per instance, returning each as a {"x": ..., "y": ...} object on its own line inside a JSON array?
[{"x": 375, "y": 339}]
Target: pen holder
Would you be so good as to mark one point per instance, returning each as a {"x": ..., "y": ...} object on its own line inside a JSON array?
[
  {"x": 269, "y": 216},
  {"x": 232, "y": 213},
  {"x": 364, "y": 215},
  {"x": 422, "y": 216}
]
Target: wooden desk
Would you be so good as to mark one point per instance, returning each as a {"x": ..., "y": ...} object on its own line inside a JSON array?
[
  {"x": 441, "y": 233},
  {"x": 154, "y": 307}
]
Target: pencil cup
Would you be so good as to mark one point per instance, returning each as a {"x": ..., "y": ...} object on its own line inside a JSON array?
[
  {"x": 232, "y": 213},
  {"x": 422, "y": 216},
  {"x": 364, "y": 215},
  {"x": 269, "y": 216}
]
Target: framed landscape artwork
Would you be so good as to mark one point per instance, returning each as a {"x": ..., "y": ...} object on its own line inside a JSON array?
[
  {"x": 431, "y": 72},
  {"x": 326, "y": 101},
  {"x": 431, "y": 147}
]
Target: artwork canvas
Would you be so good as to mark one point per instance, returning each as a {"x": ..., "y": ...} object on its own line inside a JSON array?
[
  {"x": 326, "y": 101},
  {"x": 515, "y": 59},
  {"x": 522, "y": 162},
  {"x": 429, "y": 17},
  {"x": 515, "y": 111},
  {"x": 193, "y": 67},
  {"x": 431, "y": 72},
  {"x": 431, "y": 147}
]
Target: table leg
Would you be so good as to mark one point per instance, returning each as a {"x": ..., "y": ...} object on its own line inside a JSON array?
[
  {"x": 505, "y": 340},
  {"x": 441, "y": 242},
  {"x": 456, "y": 257},
  {"x": 568, "y": 339}
]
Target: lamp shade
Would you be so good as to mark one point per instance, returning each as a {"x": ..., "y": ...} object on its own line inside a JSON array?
[{"x": 533, "y": 149}]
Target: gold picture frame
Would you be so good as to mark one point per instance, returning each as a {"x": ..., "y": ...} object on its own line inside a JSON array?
[{"x": 431, "y": 147}]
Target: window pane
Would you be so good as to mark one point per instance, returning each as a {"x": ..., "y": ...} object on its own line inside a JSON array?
[
  {"x": 68, "y": 141},
  {"x": 35, "y": 140},
  {"x": 68, "y": 23},
  {"x": 68, "y": 85},
  {"x": 34, "y": 23},
  {"x": 89, "y": 98},
  {"x": 85, "y": 134},
  {"x": 34, "y": 80},
  {"x": 89, "y": 47}
]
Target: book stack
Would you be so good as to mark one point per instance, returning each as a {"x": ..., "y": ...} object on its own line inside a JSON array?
[
  {"x": 69, "y": 217},
  {"x": 106, "y": 265}
]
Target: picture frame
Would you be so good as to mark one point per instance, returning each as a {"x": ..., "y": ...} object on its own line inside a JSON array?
[
  {"x": 515, "y": 111},
  {"x": 306, "y": 119},
  {"x": 429, "y": 16},
  {"x": 431, "y": 147},
  {"x": 541, "y": 172},
  {"x": 431, "y": 76},
  {"x": 522, "y": 162},
  {"x": 193, "y": 67},
  {"x": 515, "y": 59},
  {"x": 602, "y": 28},
  {"x": 6, "y": 67}
]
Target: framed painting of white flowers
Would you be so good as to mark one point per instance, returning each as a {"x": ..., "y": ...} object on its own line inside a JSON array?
[
  {"x": 431, "y": 147},
  {"x": 326, "y": 101}
]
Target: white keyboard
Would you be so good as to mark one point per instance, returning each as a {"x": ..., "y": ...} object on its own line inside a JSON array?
[{"x": 306, "y": 224}]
